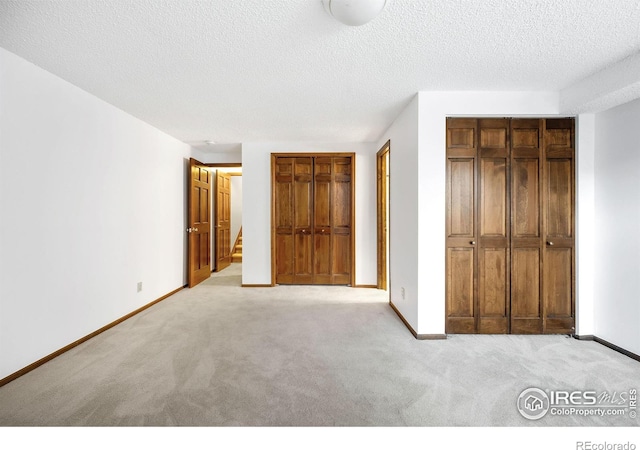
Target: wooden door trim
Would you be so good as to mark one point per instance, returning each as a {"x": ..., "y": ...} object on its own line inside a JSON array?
[
  {"x": 352, "y": 157},
  {"x": 382, "y": 208},
  {"x": 223, "y": 164}
]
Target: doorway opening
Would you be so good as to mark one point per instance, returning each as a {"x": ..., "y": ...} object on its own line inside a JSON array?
[{"x": 226, "y": 208}]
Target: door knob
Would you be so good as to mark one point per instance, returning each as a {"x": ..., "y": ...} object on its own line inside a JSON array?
[
  {"x": 472, "y": 242},
  {"x": 322, "y": 230},
  {"x": 549, "y": 243},
  {"x": 195, "y": 229},
  {"x": 189, "y": 230}
]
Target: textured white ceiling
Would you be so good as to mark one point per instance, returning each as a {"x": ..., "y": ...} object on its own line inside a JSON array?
[{"x": 280, "y": 70}]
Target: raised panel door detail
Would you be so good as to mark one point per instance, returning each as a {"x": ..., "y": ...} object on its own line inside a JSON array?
[
  {"x": 493, "y": 197},
  {"x": 558, "y": 276},
  {"x": 493, "y": 282},
  {"x": 525, "y": 138},
  {"x": 460, "y": 272},
  {"x": 560, "y": 137},
  {"x": 526, "y": 203},
  {"x": 559, "y": 197},
  {"x": 493, "y": 138},
  {"x": 341, "y": 258},
  {"x": 284, "y": 256},
  {"x": 460, "y": 137},
  {"x": 525, "y": 283},
  {"x": 461, "y": 197}
]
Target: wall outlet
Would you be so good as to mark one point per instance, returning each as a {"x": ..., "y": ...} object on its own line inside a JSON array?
[
  {"x": 139, "y": 286},
  {"x": 402, "y": 292}
]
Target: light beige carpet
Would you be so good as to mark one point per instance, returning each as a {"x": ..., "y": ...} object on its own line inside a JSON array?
[{"x": 222, "y": 355}]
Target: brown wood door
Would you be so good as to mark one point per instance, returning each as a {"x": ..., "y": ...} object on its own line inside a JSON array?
[
  {"x": 558, "y": 216},
  {"x": 223, "y": 220},
  {"x": 199, "y": 224},
  {"x": 526, "y": 226},
  {"x": 494, "y": 216},
  {"x": 461, "y": 226},
  {"x": 312, "y": 216}
]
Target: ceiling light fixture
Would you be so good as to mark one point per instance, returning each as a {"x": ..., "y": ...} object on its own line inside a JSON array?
[
  {"x": 354, "y": 12},
  {"x": 210, "y": 142}
]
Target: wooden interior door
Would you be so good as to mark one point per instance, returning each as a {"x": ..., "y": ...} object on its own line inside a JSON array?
[
  {"x": 223, "y": 220},
  {"x": 199, "y": 223},
  {"x": 494, "y": 216},
  {"x": 526, "y": 226},
  {"x": 461, "y": 226},
  {"x": 559, "y": 219},
  {"x": 312, "y": 214}
]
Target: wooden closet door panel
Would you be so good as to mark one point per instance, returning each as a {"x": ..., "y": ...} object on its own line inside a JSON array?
[
  {"x": 494, "y": 202},
  {"x": 559, "y": 220},
  {"x": 559, "y": 198},
  {"x": 460, "y": 290},
  {"x": 493, "y": 225},
  {"x": 341, "y": 220},
  {"x": 283, "y": 220},
  {"x": 461, "y": 198},
  {"x": 461, "y": 226},
  {"x": 526, "y": 197},
  {"x": 526, "y": 314},
  {"x": 526, "y": 240},
  {"x": 322, "y": 204},
  {"x": 302, "y": 220},
  {"x": 493, "y": 291}
]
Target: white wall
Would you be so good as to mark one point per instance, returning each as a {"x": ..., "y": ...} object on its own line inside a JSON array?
[
  {"x": 617, "y": 224},
  {"x": 256, "y": 199},
  {"x": 403, "y": 211},
  {"x": 92, "y": 201},
  {"x": 585, "y": 224}
]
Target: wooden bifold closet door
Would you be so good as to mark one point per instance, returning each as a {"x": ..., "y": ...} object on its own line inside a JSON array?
[
  {"x": 510, "y": 226},
  {"x": 312, "y": 208}
]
